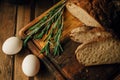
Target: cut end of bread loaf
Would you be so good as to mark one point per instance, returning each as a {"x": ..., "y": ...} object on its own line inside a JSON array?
[
  {"x": 82, "y": 15},
  {"x": 85, "y": 34},
  {"x": 96, "y": 13},
  {"x": 97, "y": 53}
]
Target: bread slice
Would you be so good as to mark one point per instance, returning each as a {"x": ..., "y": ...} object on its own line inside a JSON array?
[
  {"x": 96, "y": 13},
  {"x": 85, "y": 34},
  {"x": 99, "y": 52}
]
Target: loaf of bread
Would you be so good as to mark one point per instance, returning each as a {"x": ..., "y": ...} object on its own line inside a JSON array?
[
  {"x": 96, "y": 13},
  {"x": 99, "y": 52},
  {"x": 85, "y": 34},
  {"x": 98, "y": 45}
]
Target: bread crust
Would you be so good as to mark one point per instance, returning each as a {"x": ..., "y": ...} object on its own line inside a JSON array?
[
  {"x": 95, "y": 13},
  {"x": 85, "y": 34},
  {"x": 100, "y": 10}
]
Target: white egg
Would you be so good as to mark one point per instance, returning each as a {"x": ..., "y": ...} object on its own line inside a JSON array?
[
  {"x": 30, "y": 65},
  {"x": 12, "y": 45}
]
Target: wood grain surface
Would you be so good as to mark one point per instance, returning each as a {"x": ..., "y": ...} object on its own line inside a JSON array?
[
  {"x": 14, "y": 17},
  {"x": 39, "y": 9},
  {"x": 22, "y": 18},
  {"x": 7, "y": 27},
  {"x": 66, "y": 63}
]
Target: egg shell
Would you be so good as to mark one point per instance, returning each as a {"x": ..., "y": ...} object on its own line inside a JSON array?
[
  {"x": 12, "y": 45},
  {"x": 30, "y": 65}
]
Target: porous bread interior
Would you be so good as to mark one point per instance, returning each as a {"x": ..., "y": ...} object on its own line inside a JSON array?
[
  {"x": 85, "y": 34},
  {"x": 96, "y": 53}
]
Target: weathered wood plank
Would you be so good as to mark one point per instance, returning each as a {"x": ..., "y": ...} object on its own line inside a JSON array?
[
  {"x": 41, "y": 6},
  {"x": 7, "y": 27},
  {"x": 23, "y": 18},
  {"x": 67, "y": 60}
]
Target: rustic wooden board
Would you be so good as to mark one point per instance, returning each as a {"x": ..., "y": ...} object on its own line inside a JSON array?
[
  {"x": 41, "y": 7},
  {"x": 12, "y": 18},
  {"x": 7, "y": 27},
  {"x": 66, "y": 63},
  {"x": 26, "y": 13},
  {"x": 23, "y": 18}
]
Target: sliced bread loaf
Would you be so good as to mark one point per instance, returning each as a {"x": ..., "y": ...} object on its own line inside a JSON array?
[
  {"x": 85, "y": 34},
  {"x": 96, "y": 13},
  {"x": 99, "y": 52}
]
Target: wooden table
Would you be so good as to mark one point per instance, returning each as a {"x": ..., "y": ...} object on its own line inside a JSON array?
[{"x": 12, "y": 19}]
